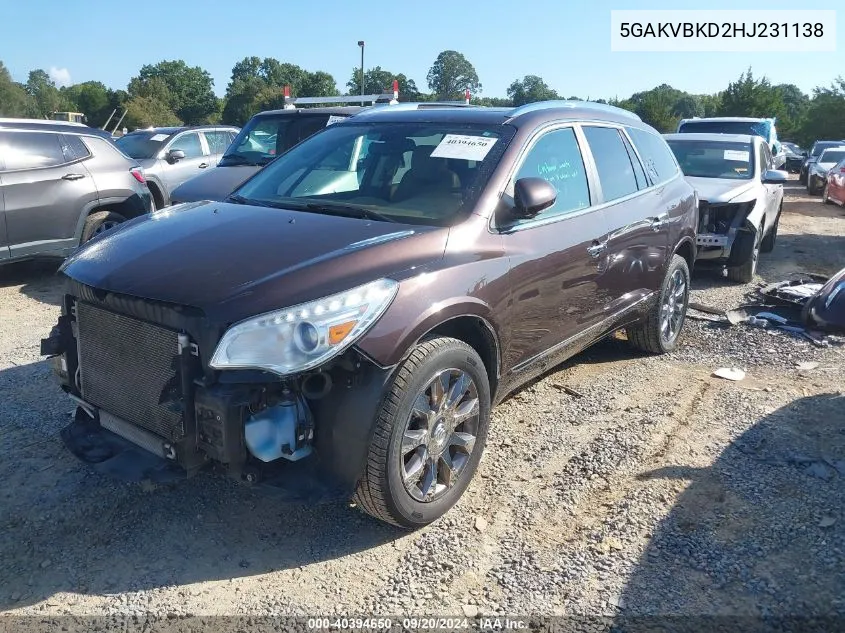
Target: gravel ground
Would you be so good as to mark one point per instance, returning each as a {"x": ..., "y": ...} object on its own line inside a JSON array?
[{"x": 660, "y": 490}]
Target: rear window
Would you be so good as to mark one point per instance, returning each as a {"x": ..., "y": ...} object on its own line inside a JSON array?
[
  {"x": 658, "y": 160},
  {"x": 142, "y": 144},
  {"x": 756, "y": 128},
  {"x": 616, "y": 172},
  {"x": 818, "y": 148}
]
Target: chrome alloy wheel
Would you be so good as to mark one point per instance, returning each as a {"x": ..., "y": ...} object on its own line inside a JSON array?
[
  {"x": 673, "y": 308},
  {"x": 439, "y": 435}
]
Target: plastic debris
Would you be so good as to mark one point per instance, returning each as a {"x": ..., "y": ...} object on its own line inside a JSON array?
[
  {"x": 729, "y": 373},
  {"x": 807, "y": 365}
]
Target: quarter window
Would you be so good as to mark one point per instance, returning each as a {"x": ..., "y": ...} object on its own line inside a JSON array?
[
  {"x": 31, "y": 150},
  {"x": 74, "y": 148},
  {"x": 658, "y": 160},
  {"x": 616, "y": 172},
  {"x": 556, "y": 158},
  {"x": 190, "y": 144}
]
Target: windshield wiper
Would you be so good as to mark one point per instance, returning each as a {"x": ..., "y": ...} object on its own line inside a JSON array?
[
  {"x": 239, "y": 199},
  {"x": 347, "y": 209},
  {"x": 234, "y": 159}
]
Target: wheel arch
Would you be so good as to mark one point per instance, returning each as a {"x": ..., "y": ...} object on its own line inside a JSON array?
[{"x": 686, "y": 249}]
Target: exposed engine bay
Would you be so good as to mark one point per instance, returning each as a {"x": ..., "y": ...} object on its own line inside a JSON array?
[{"x": 718, "y": 225}]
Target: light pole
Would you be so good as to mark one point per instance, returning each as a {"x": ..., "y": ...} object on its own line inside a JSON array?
[{"x": 361, "y": 44}]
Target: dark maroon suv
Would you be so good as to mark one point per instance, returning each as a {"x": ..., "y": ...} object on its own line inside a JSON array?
[{"x": 363, "y": 301}]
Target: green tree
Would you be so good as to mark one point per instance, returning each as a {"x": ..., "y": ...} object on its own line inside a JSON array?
[
  {"x": 825, "y": 117},
  {"x": 242, "y": 95},
  {"x": 317, "y": 84},
  {"x": 378, "y": 80},
  {"x": 190, "y": 89},
  {"x": 46, "y": 95},
  {"x": 751, "y": 97},
  {"x": 15, "y": 101},
  {"x": 91, "y": 98},
  {"x": 144, "y": 112},
  {"x": 450, "y": 76},
  {"x": 529, "y": 90},
  {"x": 688, "y": 106}
]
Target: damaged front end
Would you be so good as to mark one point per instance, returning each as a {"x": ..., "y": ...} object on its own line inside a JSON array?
[
  {"x": 163, "y": 393},
  {"x": 725, "y": 235}
]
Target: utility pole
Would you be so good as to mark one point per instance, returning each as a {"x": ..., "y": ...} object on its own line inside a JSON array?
[{"x": 361, "y": 44}]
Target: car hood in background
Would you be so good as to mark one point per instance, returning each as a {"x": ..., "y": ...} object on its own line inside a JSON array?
[
  {"x": 235, "y": 261},
  {"x": 716, "y": 190},
  {"x": 213, "y": 185}
]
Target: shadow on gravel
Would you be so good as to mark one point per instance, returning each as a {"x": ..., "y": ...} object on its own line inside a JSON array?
[
  {"x": 64, "y": 528},
  {"x": 38, "y": 280},
  {"x": 760, "y": 533}
]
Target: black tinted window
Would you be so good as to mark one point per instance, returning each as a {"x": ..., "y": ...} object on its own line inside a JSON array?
[
  {"x": 309, "y": 126},
  {"x": 658, "y": 160},
  {"x": 190, "y": 144},
  {"x": 142, "y": 144},
  {"x": 74, "y": 148},
  {"x": 556, "y": 157},
  {"x": 29, "y": 150},
  {"x": 616, "y": 173}
]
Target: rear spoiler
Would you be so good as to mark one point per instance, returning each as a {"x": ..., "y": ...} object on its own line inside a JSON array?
[{"x": 388, "y": 97}]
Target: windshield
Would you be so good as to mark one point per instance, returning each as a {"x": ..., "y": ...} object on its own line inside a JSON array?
[
  {"x": 832, "y": 156},
  {"x": 818, "y": 148},
  {"x": 757, "y": 128},
  {"x": 142, "y": 144},
  {"x": 418, "y": 173},
  {"x": 714, "y": 159},
  {"x": 259, "y": 142}
]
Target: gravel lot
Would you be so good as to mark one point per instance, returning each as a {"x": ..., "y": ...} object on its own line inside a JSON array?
[{"x": 661, "y": 490}]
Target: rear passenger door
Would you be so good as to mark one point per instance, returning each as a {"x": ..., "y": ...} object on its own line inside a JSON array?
[
  {"x": 774, "y": 193},
  {"x": 45, "y": 189},
  {"x": 555, "y": 280},
  {"x": 639, "y": 236},
  {"x": 196, "y": 159}
]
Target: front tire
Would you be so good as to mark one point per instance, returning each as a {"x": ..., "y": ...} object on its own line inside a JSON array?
[
  {"x": 100, "y": 222},
  {"x": 744, "y": 273},
  {"x": 661, "y": 330},
  {"x": 429, "y": 435},
  {"x": 768, "y": 244},
  {"x": 825, "y": 197}
]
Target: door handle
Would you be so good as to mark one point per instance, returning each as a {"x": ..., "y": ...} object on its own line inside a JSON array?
[
  {"x": 72, "y": 176},
  {"x": 597, "y": 249},
  {"x": 203, "y": 165}
]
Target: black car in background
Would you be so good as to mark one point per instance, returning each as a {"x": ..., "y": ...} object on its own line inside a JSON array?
[
  {"x": 795, "y": 156},
  {"x": 815, "y": 152}
]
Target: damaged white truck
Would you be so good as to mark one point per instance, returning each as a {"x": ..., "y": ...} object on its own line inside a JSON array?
[{"x": 740, "y": 198}]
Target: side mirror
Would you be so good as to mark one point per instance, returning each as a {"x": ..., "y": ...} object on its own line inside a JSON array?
[
  {"x": 804, "y": 154},
  {"x": 175, "y": 155},
  {"x": 532, "y": 195},
  {"x": 774, "y": 177}
]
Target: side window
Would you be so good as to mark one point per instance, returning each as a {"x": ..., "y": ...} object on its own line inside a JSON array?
[
  {"x": 30, "y": 150},
  {"x": 218, "y": 141},
  {"x": 642, "y": 183},
  {"x": 556, "y": 158},
  {"x": 309, "y": 126},
  {"x": 190, "y": 144},
  {"x": 74, "y": 148},
  {"x": 616, "y": 172},
  {"x": 658, "y": 160}
]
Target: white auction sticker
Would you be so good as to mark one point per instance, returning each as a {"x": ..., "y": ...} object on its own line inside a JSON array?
[
  {"x": 158, "y": 137},
  {"x": 464, "y": 146},
  {"x": 334, "y": 119},
  {"x": 735, "y": 154}
]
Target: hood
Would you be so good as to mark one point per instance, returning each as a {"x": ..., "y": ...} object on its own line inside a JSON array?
[
  {"x": 234, "y": 261},
  {"x": 716, "y": 190},
  {"x": 824, "y": 166},
  {"x": 213, "y": 185}
]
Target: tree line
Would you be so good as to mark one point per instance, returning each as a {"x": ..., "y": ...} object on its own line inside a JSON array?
[{"x": 173, "y": 93}]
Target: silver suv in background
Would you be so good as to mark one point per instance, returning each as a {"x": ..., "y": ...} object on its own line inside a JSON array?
[
  {"x": 171, "y": 155},
  {"x": 61, "y": 184}
]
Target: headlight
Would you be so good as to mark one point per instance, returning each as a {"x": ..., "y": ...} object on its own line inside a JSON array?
[{"x": 304, "y": 336}]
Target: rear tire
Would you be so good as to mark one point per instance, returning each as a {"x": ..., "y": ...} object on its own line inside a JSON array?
[
  {"x": 651, "y": 334},
  {"x": 408, "y": 432},
  {"x": 744, "y": 273},
  {"x": 100, "y": 222}
]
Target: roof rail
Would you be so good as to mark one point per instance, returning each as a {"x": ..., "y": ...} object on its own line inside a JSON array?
[
  {"x": 561, "y": 103},
  {"x": 384, "y": 97}
]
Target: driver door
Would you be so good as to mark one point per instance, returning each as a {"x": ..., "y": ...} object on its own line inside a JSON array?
[{"x": 195, "y": 161}]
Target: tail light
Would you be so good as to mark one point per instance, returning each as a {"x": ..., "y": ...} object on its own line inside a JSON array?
[{"x": 139, "y": 175}]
